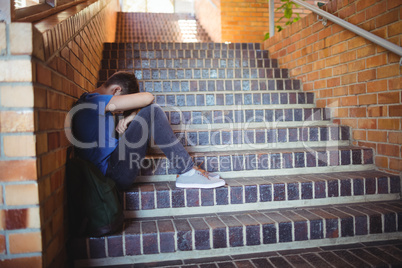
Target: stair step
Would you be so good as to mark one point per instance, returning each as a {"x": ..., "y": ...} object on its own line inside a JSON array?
[
  {"x": 235, "y": 164},
  {"x": 184, "y": 54},
  {"x": 228, "y": 98},
  {"x": 123, "y": 63},
  {"x": 216, "y": 85},
  {"x": 210, "y": 73},
  {"x": 222, "y": 234},
  {"x": 134, "y": 27},
  {"x": 163, "y": 199},
  {"x": 176, "y": 45},
  {"x": 262, "y": 138},
  {"x": 184, "y": 116}
]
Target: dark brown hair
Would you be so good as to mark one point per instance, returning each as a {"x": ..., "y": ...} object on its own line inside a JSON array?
[{"x": 127, "y": 81}]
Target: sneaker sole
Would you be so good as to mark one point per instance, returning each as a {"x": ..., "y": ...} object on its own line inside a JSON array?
[{"x": 202, "y": 186}]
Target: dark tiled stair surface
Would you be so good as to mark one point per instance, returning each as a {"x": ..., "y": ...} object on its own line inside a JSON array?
[
  {"x": 294, "y": 180},
  {"x": 137, "y": 27},
  {"x": 261, "y": 193},
  {"x": 369, "y": 254},
  {"x": 269, "y": 230}
]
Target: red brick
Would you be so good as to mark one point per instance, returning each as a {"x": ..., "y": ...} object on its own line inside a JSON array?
[
  {"x": 376, "y": 10},
  {"x": 377, "y": 136},
  {"x": 357, "y": 89},
  {"x": 357, "y": 42},
  {"x": 349, "y": 79},
  {"x": 395, "y": 83},
  {"x": 340, "y": 69},
  {"x": 2, "y": 244},
  {"x": 348, "y": 56},
  {"x": 332, "y": 61},
  {"x": 388, "y": 149},
  {"x": 395, "y": 137},
  {"x": 367, "y": 123},
  {"x": 377, "y": 111},
  {"x": 349, "y": 122},
  {"x": 349, "y": 101},
  {"x": 18, "y": 170},
  {"x": 376, "y": 86},
  {"x": 381, "y": 161},
  {"x": 43, "y": 75},
  {"x": 341, "y": 112},
  {"x": 333, "y": 82},
  {"x": 388, "y": 97},
  {"x": 366, "y": 51},
  {"x": 395, "y": 110},
  {"x": 31, "y": 262},
  {"x": 357, "y": 112},
  {"x": 387, "y": 18},
  {"x": 357, "y": 65},
  {"x": 391, "y": 124},
  {"x": 388, "y": 71},
  {"x": 395, "y": 164},
  {"x": 395, "y": 29},
  {"x": 340, "y": 91},
  {"x": 363, "y": 4},
  {"x": 359, "y": 134},
  {"x": 368, "y": 99},
  {"x": 367, "y": 75},
  {"x": 357, "y": 18},
  {"x": 376, "y": 61}
]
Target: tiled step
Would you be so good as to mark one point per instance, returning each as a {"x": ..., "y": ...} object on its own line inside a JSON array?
[
  {"x": 128, "y": 64},
  {"x": 184, "y": 54},
  {"x": 385, "y": 253},
  {"x": 138, "y": 27},
  {"x": 272, "y": 162},
  {"x": 229, "y": 98},
  {"x": 220, "y": 234},
  {"x": 215, "y": 85},
  {"x": 149, "y": 46},
  {"x": 231, "y": 139},
  {"x": 201, "y": 118},
  {"x": 261, "y": 192},
  {"x": 194, "y": 73}
]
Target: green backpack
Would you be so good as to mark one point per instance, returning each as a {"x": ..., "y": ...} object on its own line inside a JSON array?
[{"x": 93, "y": 201}]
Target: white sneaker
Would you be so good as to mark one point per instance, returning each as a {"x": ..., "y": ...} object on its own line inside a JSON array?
[{"x": 198, "y": 178}]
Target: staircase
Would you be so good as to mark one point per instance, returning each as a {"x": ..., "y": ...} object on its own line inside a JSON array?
[{"x": 294, "y": 181}]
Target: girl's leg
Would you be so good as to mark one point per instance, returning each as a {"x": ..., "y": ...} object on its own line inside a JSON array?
[{"x": 125, "y": 162}]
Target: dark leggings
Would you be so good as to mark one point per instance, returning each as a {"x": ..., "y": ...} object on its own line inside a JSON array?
[{"x": 126, "y": 161}]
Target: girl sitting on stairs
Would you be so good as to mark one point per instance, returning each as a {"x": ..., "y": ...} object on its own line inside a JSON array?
[{"x": 93, "y": 131}]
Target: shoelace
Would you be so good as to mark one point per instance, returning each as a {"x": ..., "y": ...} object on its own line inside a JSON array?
[{"x": 203, "y": 172}]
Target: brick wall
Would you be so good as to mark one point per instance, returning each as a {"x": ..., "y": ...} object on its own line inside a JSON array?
[
  {"x": 20, "y": 232},
  {"x": 209, "y": 15},
  {"x": 239, "y": 21},
  {"x": 47, "y": 65},
  {"x": 359, "y": 80}
]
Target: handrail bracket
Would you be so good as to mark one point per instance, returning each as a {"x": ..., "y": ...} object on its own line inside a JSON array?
[{"x": 323, "y": 20}]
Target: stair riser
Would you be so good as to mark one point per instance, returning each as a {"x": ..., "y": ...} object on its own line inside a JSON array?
[
  {"x": 169, "y": 74},
  {"x": 263, "y": 161},
  {"x": 233, "y": 139},
  {"x": 164, "y": 199},
  {"x": 218, "y": 85},
  {"x": 184, "y": 119},
  {"x": 186, "y": 46},
  {"x": 185, "y": 54},
  {"x": 187, "y": 63},
  {"x": 230, "y": 98}
]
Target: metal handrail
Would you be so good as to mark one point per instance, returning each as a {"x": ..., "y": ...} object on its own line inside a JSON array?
[{"x": 353, "y": 28}]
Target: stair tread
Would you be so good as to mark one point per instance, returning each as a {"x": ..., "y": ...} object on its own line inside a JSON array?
[{"x": 248, "y": 230}]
